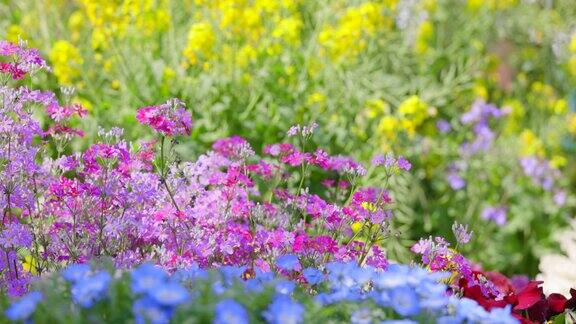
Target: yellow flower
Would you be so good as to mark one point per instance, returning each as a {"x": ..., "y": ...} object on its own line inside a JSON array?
[
  {"x": 368, "y": 206},
  {"x": 316, "y": 98},
  {"x": 424, "y": 37},
  {"x": 288, "y": 30},
  {"x": 14, "y": 33},
  {"x": 388, "y": 126},
  {"x": 474, "y": 5},
  {"x": 531, "y": 144},
  {"x": 558, "y": 161},
  {"x": 357, "y": 226},
  {"x": 517, "y": 111},
  {"x": 376, "y": 107},
  {"x": 200, "y": 42},
  {"x": 348, "y": 38},
  {"x": 572, "y": 124},
  {"x": 572, "y": 65},
  {"x": 30, "y": 265},
  {"x": 66, "y": 62},
  {"x": 572, "y": 46},
  {"x": 168, "y": 74},
  {"x": 413, "y": 111},
  {"x": 246, "y": 55},
  {"x": 560, "y": 106},
  {"x": 480, "y": 91},
  {"x": 115, "y": 84}
]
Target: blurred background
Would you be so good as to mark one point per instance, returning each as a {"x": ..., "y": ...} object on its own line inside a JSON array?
[{"x": 479, "y": 94}]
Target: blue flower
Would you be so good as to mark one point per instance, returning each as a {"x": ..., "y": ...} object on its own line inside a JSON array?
[
  {"x": 467, "y": 310},
  {"x": 404, "y": 301},
  {"x": 288, "y": 262},
  {"x": 170, "y": 294},
  {"x": 76, "y": 272},
  {"x": 284, "y": 311},
  {"x": 402, "y": 321},
  {"x": 147, "y": 277},
  {"x": 256, "y": 284},
  {"x": 501, "y": 315},
  {"x": 147, "y": 311},
  {"x": 363, "y": 316},
  {"x": 218, "y": 287},
  {"x": 231, "y": 274},
  {"x": 285, "y": 287},
  {"x": 191, "y": 273},
  {"x": 313, "y": 276},
  {"x": 89, "y": 290},
  {"x": 432, "y": 295},
  {"x": 228, "y": 311},
  {"x": 23, "y": 308}
]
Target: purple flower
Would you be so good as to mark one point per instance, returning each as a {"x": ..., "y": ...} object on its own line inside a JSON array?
[
  {"x": 15, "y": 235},
  {"x": 443, "y": 126},
  {"x": 496, "y": 214},
  {"x": 456, "y": 182},
  {"x": 378, "y": 160},
  {"x": 404, "y": 164},
  {"x": 461, "y": 233}
]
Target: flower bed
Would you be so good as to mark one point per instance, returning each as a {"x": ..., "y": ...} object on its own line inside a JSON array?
[{"x": 293, "y": 210}]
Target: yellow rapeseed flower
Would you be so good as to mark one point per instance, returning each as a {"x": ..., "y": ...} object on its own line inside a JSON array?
[
  {"x": 572, "y": 124},
  {"x": 376, "y": 107},
  {"x": 572, "y": 46},
  {"x": 572, "y": 65},
  {"x": 288, "y": 29},
  {"x": 424, "y": 37},
  {"x": 200, "y": 42},
  {"x": 560, "y": 106},
  {"x": 558, "y": 161},
  {"x": 316, "y": 98},
  {"x": 14, "y": 33},
  {"x": 66, "y": 62},
  {"x": 388, "y": 127},
  {"x": 531, "y": 144},
  {"x": 413, "y": 109}
]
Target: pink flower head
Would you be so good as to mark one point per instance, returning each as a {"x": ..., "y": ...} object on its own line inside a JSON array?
[
  {"x": 25, "y": 60},
  {"x": 233, "y": 147},
  {"x": 170, "y": 118}
]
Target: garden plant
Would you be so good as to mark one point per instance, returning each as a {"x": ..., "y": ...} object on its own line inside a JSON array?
[{"x": 287, "y": 161}]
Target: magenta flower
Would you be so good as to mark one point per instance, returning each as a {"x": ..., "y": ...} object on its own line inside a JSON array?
[{"x": 169, "y": 119}]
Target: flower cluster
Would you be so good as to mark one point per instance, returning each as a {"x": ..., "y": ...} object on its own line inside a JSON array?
[
  {"x": 169, "y": 119},
  {"x": 138, "y": 202},
  {"x": 21, "y": 60},
  {"x": 231, "y": 295}
]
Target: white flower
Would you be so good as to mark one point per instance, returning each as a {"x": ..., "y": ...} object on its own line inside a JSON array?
[{"x": 557, "y": 270}]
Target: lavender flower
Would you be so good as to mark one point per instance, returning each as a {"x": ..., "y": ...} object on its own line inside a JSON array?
[
  {"x": 461, "y": 233},
  {"x": 497, "y": 214}
]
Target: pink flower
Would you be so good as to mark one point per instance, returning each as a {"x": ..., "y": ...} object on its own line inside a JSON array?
[{"x": 169, "y": 119}]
